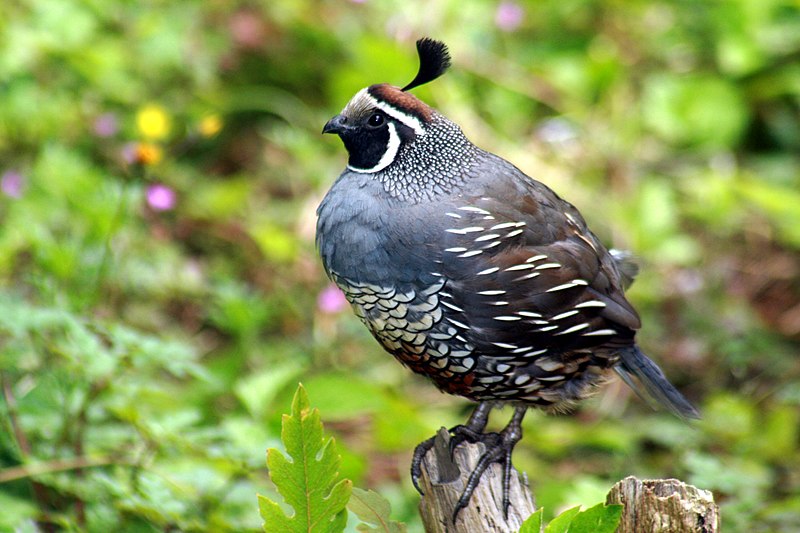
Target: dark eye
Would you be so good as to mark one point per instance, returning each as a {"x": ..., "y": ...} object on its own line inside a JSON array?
[{"x": 375, "y": 121}]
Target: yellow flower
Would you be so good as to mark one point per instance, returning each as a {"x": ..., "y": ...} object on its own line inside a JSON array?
[
  {"x": 210, "y": 125},
  {"x": 148, "y": 153},
  {"x": 153, "y": 122}
]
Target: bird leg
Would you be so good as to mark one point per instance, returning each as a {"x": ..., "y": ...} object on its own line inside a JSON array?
[
  {"x": 498, "y": 450},
  {"x": 470, "y": 431}
]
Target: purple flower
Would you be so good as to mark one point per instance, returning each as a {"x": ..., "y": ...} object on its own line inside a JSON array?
[
  {"x": 508, "y": 16},
  {"x": 331, "y": 299},
  {"x": 160, "y": 197},
  {"x": 12, "y": 184},
  {"x": 106, "y": 125}
]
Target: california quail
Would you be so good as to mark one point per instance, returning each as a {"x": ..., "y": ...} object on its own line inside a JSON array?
[{"x": 471, "y": 273}]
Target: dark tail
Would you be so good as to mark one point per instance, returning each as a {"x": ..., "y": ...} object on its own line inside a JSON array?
[{"x": 650, "y": 377}]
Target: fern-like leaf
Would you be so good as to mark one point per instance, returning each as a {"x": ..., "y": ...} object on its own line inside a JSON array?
[{"x": 308, "y": 478}]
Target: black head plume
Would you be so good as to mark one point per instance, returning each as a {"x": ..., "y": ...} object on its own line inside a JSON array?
[{"x": 434, "y": 60}]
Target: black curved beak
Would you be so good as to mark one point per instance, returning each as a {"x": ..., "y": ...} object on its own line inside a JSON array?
[{"x": 335, "y": 125}]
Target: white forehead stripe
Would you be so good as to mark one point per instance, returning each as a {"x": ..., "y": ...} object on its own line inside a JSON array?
[
  {"x": 364, "y": 99},
  {"x": 392, "y": 148}
]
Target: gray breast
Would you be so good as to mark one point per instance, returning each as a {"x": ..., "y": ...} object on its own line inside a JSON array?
[{"x": 367, "y": 236}]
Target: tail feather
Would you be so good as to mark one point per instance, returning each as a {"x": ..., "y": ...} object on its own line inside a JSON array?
[
  {"x": 626, "y": 265},
  {"x": 656, "y": 385}
]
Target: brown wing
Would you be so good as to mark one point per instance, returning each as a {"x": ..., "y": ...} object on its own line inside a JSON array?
[{"x": 518, "y": 282}]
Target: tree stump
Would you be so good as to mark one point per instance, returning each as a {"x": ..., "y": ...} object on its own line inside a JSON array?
[
  {"x": 443, "y": 479},
  {"x": 664, "y": 506},
  {"x": 650, "y": 506}
]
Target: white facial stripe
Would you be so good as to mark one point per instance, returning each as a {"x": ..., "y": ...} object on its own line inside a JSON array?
[
  {"x": 363, "y": 99},
  {"x": 388, "y": 156},
  {"x": 408, "y": 120}
]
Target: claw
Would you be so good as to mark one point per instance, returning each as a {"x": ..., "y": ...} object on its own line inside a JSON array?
[
  {"x": 416, "y": 461},
  {"x": 461, "y": 434},
  {"x": 471, "y": 430},
  {"x": 507, "y": 484},
  {"x": 499, "y": 447}
]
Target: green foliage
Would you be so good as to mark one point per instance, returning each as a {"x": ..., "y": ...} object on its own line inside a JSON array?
[
  {"x": 308, "y": 479},
  {"x": 147, "y": 341},
  {"x": 701, "y": 110},
  {"x": 104, "y": 426},
  {"x": 598, "y": 519},
  {"x": 533, "y": 524},
  {"x": 374, "y": 510}
]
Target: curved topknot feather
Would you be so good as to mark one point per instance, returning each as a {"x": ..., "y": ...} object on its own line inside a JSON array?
[{"x": 434, "y": 60}]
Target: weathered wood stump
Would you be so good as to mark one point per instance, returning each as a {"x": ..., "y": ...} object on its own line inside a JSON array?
[
  {"x": 650, "y": 506},
  {"x": 664, "y": 506},
  {"x": 443, "y": 481}
]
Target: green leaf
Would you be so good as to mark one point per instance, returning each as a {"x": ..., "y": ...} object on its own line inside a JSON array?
[
  {"x": 374, "y": 509},
  {"x": 308, "y": 479},
  {"x": 561, "y": 523},
  {"x": 533, "y": 524},
  {"x": 598, "y": 519}
]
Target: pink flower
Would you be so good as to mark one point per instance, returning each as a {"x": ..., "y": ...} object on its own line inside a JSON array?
[
  {"x": 105, "y": 125},
  {"x": 331, "y": 299},
  {"x": 508, "y": 16},
  {"x": 160, "y": 197},
  {"x": 248, "y": 29},
  {"x": 12, "y": 183}
]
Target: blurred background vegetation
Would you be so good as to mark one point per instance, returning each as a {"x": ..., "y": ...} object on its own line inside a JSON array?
[{"x": 160, "y": 297}]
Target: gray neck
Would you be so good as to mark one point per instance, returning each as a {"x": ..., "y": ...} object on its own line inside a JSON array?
[{"x": 430, "y": 165}]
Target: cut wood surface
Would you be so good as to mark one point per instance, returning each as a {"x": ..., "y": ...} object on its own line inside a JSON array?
[{"x": 664, "y": 506}]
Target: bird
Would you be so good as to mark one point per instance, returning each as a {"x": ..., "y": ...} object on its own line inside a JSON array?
[{"x": 473, "y": 274}]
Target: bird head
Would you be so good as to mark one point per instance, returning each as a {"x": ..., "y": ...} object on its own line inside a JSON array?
[{"x": 382, "y": 118}]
